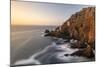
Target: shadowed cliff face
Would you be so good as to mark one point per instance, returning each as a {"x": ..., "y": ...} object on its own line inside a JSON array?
[{"x": 80, "y": 26}]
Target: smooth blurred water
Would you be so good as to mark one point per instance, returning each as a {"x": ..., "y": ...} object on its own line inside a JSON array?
[
  {"x": 29, "y": 46},
  {"x": 53, "y": 54},
  {"x": 26, "y": 40}
]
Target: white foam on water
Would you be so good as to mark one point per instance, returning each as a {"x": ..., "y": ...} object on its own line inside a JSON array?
[
  {"x": 71, "y": 58},
  {"x": 32, "y": 59},
  {"x": 65, "y": 49},
  {"x": 61, "y": 56},
  {"x": 27, "y": 61},
  {"x": 43, "y": 51},
  {"x": 73, "y": 41},
  {"x": 24, "y": 66},
  {"x": 42, "y": 34}
]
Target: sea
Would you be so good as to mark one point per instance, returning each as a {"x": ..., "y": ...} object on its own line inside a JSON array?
[{"x": 29, "y": 46}]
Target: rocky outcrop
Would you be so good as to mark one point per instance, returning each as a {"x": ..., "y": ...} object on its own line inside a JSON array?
[
  {"x": 86, "y": 52},
  {"x": 80, "y": 26}
]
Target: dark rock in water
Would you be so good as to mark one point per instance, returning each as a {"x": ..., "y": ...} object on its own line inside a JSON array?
[
  {"x": 87, "y": 52},
  {"x": 47, "y": 31},
  {"x": 77, "y": 53},
  {"x": 66, "y": 54},
  {"x": 57, "y": 42}
]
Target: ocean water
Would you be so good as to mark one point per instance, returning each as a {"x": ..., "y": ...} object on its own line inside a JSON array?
[{"x": 30, "y": 47}]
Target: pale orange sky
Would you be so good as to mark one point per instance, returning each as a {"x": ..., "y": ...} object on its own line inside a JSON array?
[{"x": 31, "y": 13}]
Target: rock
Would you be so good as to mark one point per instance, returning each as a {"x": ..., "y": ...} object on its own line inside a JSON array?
[
  {"x": 66, "y": 54},
  {"x": 80, "y": 26},
  {"x": 78, "y": 44},
  {"x": 81, "y": 29},
  {"x": 87, "y": 52},
  {"x": 77, "y": 53},
  {"x": 47, "y": 31}
]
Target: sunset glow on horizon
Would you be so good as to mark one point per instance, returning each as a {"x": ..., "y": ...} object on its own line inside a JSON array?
[{"x": 32, "y": 13}]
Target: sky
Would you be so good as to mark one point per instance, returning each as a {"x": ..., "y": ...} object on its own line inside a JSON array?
[{"x": 36, "y": 13}]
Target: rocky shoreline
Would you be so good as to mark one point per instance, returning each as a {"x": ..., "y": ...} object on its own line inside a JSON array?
[{"x": 80, "y": 28}]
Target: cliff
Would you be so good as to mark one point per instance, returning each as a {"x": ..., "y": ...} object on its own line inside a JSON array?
[{"x": 81, "y": 27}]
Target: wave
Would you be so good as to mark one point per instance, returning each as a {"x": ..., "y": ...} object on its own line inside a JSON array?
[
  {"x": 32, "y": 59},
  {"x": 53, "y": 53}
]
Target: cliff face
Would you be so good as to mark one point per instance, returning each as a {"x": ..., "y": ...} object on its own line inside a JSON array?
[{"x": 80, "y": 26}]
